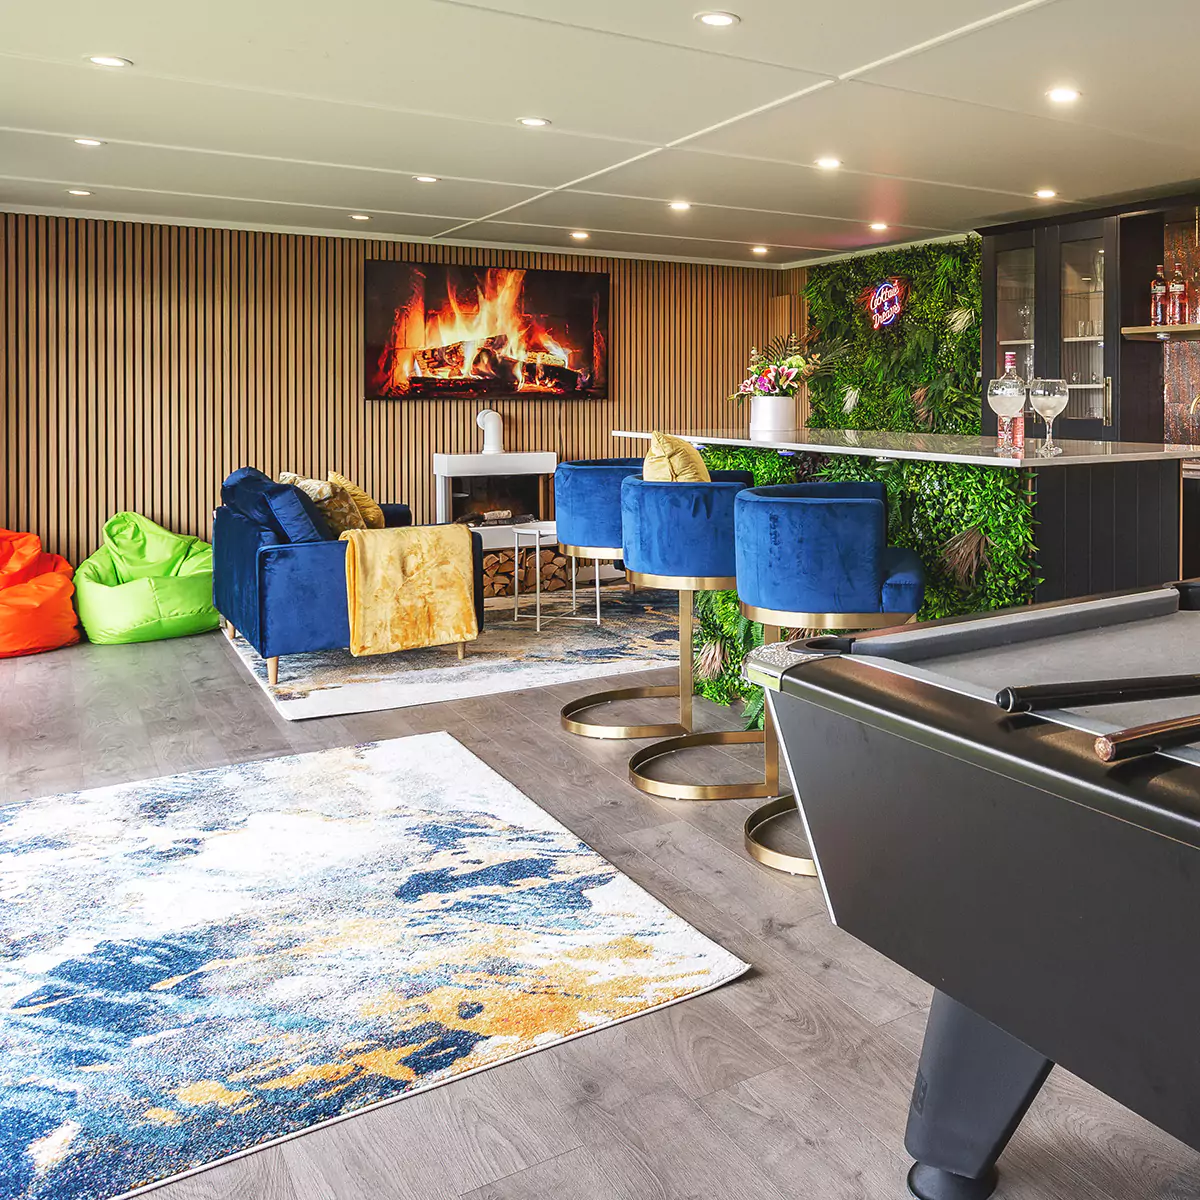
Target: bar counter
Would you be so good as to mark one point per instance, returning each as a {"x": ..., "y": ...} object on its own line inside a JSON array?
[
  {"x": 1109, "y": 514},
  {"x": 930, "y": 447}
]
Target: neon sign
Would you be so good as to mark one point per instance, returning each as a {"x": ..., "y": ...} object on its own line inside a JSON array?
[{"x": 885, "y": 302}]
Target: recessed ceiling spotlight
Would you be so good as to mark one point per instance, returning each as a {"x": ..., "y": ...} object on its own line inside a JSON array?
[
  {"x": 758, "y": 249},
  {"x": 679, "y": 205},
  {"x": 426, "y": 178},
  {"x": 878, "y": 226},
  {"x": 533, "y": 122},
  {"x": 580, "y": 236},
  {"x": 359, "y": 217},
  {"x": 720, "y": 20},
  {"x": 88, "y": 142},
  {"x": 1063, "y": 95},
  {"x": 829, "y": 163},
  {"x": 77, "y": 192},
  {"x": 109, "y": 60},
  {"x": 1045, "y": 193}
]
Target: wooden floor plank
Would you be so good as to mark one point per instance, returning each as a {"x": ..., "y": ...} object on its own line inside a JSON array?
[
  {"x": 791, "y": 1081},
  {"x": 575, "y": 1175}
]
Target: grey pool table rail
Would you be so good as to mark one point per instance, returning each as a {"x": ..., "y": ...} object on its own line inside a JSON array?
[{"x": 1136, "y": 634}]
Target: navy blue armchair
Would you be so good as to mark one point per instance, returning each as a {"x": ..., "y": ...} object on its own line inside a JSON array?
[
  {"x": 821, "y": 548},
  {"x": 279, "y": 575}
]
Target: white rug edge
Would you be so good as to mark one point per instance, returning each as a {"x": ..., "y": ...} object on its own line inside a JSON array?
[
  {"x": 739, "y": 966},
  {"x": 599, "y": 670}
]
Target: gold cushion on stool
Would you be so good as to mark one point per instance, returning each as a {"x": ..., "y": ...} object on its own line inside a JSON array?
[{"x": 672, "y": 460}]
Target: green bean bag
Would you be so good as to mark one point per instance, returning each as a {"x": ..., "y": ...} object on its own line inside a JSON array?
[{"x": 145, "y": 583}]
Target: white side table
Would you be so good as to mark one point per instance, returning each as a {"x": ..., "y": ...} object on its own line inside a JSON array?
[{"x": 537, "y": 535}]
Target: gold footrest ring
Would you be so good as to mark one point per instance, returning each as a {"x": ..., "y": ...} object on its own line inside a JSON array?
[
  {"x": 792, "y": 864},
  {"x": 594, "y": 729},
  {"x": 697, "y": 791}
]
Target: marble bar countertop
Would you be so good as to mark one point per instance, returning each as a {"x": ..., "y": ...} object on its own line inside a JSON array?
[{"x": 927, "y": 447}]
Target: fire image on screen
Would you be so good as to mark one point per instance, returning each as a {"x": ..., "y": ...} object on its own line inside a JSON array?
[{"x": 434, "y": 330}]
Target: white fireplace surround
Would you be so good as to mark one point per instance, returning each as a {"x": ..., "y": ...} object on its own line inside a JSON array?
[{"x": 447, "y": 467}]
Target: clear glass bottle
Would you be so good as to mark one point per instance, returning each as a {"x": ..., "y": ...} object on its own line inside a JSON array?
[{"x": 1158, "y": 298}]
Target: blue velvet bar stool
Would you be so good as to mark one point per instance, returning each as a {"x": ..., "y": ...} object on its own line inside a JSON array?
[
  {"x": 679, "y": 536},
  {"x": 587, "y": 512},
  {"x": 815, "y": 556}
]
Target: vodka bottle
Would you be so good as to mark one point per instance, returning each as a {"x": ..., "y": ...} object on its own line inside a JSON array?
[{"x": 1158, "y": 298}]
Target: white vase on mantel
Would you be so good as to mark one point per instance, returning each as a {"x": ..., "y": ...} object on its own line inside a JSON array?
[{"x": 771, "y": 415}]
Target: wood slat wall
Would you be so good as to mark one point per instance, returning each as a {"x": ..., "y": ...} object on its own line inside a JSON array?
[{"x": 139, "y": 364}]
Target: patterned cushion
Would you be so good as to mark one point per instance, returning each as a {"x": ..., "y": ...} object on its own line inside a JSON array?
[
  {"x": 334, "y": 503},
  {"x": 672, "y": 460},
  {"x": 372, "y": 514}
]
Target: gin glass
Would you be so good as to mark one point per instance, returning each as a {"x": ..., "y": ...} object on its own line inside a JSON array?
[
  {"x": 1048, "y": 397},
  {"x": 1006, "y": 398}
]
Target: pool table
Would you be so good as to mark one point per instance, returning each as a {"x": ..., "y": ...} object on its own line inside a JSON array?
[{"x": 1051, "y": 899}]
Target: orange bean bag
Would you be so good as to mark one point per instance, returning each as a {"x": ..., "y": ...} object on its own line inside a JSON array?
[{"x": 35, "y": 597}]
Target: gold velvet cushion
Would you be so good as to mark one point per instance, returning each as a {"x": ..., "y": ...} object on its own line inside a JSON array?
[
  {"x": 672, "y": 460},
  {"x": 333, "y": 502},
  {"x": 372, "y": 514}
]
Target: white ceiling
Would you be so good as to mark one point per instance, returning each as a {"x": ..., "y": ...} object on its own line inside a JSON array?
[{"x": 291, "y": 115}]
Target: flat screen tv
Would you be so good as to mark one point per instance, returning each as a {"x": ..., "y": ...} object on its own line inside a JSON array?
[{"x": 435, "y": 331}]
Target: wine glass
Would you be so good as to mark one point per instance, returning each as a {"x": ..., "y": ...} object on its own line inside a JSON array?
[
  {"x": 1006, "y": 398},
  {"x": 1048, "y": 398}
]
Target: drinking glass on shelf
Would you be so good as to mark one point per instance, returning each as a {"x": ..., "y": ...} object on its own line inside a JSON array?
[
  {"x": 1083, "y": 328},
  {"x": 1048, "y": 398}
]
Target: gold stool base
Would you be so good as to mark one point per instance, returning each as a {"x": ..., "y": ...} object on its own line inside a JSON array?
[
  {"x": 793, "y": 864},
  {"x": 594, "y": 729},
  {"x": 698, "y": 791}
]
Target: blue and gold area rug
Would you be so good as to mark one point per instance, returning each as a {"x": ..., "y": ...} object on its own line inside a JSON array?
[
  {"x": 638, "y": 633},
  {"x": 198, "y": 966}
]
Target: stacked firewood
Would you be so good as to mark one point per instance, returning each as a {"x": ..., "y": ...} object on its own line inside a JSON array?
[{"x": 554, "y": 568}]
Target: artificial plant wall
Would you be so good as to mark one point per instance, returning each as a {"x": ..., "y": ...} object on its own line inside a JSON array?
[{"x": 970, "y": 525}]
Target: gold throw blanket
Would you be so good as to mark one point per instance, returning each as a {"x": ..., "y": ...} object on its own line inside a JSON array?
[{"x": 409, "y": 587}]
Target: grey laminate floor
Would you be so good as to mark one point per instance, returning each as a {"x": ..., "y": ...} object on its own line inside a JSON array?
[{"x": 791, "y": 1082}]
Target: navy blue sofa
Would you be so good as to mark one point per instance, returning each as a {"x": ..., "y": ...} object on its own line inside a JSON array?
[{"x": 279, "y": 573}]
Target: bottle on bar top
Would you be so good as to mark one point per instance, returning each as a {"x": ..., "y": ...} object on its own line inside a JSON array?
[
  {"x": 1158, "y": 299},
  {"x": 1006, "y": 398},
  {"x": 1177, "y": 298}
]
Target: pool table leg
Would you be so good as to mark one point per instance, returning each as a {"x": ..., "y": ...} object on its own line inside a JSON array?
[{"x": 974, "y": 1084}]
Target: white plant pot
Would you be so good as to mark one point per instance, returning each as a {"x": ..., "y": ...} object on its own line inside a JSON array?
[{"x": 771, "y": 414}]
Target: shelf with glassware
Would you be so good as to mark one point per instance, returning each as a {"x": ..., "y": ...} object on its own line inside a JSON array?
[{"x": 1075, "y": 276}]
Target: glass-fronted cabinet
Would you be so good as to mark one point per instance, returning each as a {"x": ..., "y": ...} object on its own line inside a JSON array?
[
  {"x": 1087, "y": 331},
  {"x": 1015, "y": 293},
  {"x": 1047, "y": 297}
]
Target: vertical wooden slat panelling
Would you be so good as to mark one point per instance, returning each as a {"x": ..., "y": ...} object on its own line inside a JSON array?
[{"x": 139, "y": 364}]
